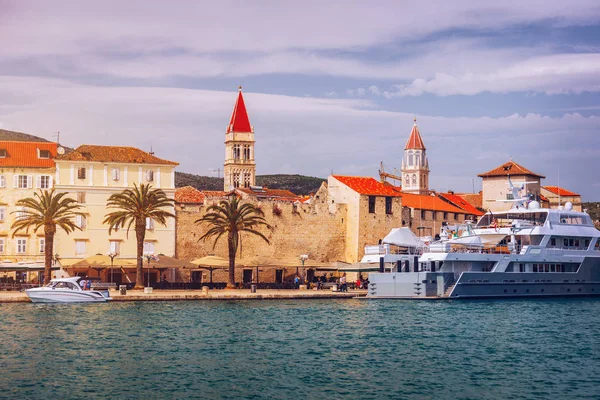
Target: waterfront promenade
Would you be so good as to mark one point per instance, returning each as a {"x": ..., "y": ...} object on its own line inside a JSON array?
[{"x": 234, "y": 294}]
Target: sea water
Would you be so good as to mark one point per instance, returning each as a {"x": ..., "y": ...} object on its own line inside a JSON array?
[{"x": 315, "y": 349}]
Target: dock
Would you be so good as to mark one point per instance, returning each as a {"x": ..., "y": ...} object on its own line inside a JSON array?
[{"x": 225, "y": 294}]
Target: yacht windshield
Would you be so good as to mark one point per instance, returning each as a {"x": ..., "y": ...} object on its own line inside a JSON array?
[{"x": 507, "y": 219}]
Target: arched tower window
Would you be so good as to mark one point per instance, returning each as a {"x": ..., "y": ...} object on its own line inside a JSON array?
[
  {"x": 410, "y": 158},
  {"x": 414, "y": 179},
  {"x": 407, "y": 180},
  {"x": 236, "y": 179},
  {"x": 246, "y": 179}
]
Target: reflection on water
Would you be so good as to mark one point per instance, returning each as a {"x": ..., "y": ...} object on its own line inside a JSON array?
[{"x": 309, "y": 349}]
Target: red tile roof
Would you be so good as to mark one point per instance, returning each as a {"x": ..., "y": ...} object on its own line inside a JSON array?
[
  {"x": 214, "y": 193},
  {"x": 25, "y": 154},
  {"x": 366, "y": 186},
  {"x": 559, "y": 191},
  {"x": 510, "y": 168},
  {"x": 239, "y": 121},
  {"x": 425, "y": 202},
  {"x": 459, "y": 202},
  {"x": 120, "y": 154},
  {"x": 189, "y": 195},
  {"x": 415, "y": 142}
]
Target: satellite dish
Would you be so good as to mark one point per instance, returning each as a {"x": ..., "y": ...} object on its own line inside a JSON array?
[
  {"x": 534, "y": 205},
  {"x": 60, "y": 150},
  {"x": 568, "y": 206}
]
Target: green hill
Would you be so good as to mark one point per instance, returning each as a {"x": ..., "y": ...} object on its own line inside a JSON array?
[
  {"x": 593, "y": 208},
  {"x": 298, "y": 184}
]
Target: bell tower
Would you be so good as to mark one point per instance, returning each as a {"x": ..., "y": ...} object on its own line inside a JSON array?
[
  {"x": 239, "y": 169},
  {"x": 415, "y": 166}
]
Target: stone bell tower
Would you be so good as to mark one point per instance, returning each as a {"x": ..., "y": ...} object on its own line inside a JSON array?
[
  {"x": 239, "y": 169},
  {"x": 415, "y": 166}
]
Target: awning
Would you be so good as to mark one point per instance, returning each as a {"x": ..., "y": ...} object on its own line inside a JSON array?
[
  {"x": 98, "y": 260},
  {"x": 23, "y": 266},
  {"x": 208, "y": 261}
]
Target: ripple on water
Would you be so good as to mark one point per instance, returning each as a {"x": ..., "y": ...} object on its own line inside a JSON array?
[{"x": 311, "y": 349}]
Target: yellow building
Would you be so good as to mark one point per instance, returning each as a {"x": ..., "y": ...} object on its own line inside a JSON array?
[
  {"x": 91, "y": 174},
  {"x": 25, "y": 167}
]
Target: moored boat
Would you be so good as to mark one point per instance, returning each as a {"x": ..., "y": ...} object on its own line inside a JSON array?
[{"x": 66, "y": 290}]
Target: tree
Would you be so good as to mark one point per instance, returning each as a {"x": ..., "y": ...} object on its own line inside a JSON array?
[
  {"x": 135, "y": 206},
  {"x": 232, "y": 217},
  {"x": 48, "y": 210}
]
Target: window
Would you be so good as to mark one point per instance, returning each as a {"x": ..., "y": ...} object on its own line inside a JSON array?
[
  {"x": 23, "y": 181},
  {"x": 414, "y": 179},
  {"x": 21, "y": 246},
  {"x": 246, "y": 152},
  {"x": 2, "y": 181},
  {"x": 407, "y": 180},
  {"x": 149, "y": 176},
  {"x": 247, "y": 179},
  {"x": 20, "y": 213},
  {"x": 410, "y": 158},
  {"x": 114, "y": 247},
  {"x": 81, "y": 197},
  {"x": 81, "y": 173},
  {"x": 116, "y": 227},
  {"x": 149, "y": 224},
  {"x": 43, "y": 182},
  {"x": 42, "y": 245},
  {"x": 236, "y": 179},
  {"x": 80, "y": 221},
  {"x": 388, "y": 205},
  {"x": 445, "y": 215},
  {"x": 43, "y": 153},
  {"x": 2, "y": 153},
  {"x": 553, "y": 242},
  {"x": 1, "y": 245},
  {"x": 2, "y": 213},
  {"x": 236, "y": 151},
  {"x": 80, "y": 247},
  {"x": 148, "y": 248},
  {"x": 423, "y": 215},
  {"x": 509, "y": 196},
  {"x": 456, "y": 216},
  {"x": 372, "y": 204},
  {"x": 116, "y": 174}
]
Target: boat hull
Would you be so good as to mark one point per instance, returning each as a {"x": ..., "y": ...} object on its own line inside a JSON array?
[{"x": 41, "y": 295}]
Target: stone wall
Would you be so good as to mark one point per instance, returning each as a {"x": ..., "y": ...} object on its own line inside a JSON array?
[
  {"x": 431, "y": 221},
  {"x": 317, "y": 229}
]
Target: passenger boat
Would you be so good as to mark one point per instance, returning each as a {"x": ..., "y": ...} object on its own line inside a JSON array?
[
  {"x": 66, "y": 290},
  {"x": 524, "y": 252}
]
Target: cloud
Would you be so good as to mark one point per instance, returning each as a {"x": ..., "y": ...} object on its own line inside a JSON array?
[{"x": 310, "y": 135}]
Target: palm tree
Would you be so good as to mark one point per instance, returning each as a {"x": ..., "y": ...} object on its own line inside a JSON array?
[
  {"x": 49, "y": 210},
  {"x": 231, "y": 217},
  {"x": 134, "y": 207}
]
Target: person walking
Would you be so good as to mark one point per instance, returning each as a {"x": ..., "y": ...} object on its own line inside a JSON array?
[
  {"x": 297, "y": 282},
  {"x": 343, "y": 283}
]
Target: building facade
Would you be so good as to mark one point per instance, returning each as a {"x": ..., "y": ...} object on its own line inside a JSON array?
[
  {"x": 239, "y": 169},
  {"x": 558, "y": 196},
  {"x": 25, "y": 168},
  {"x": 415, "y": 165},
  {"x": 91, "y": 174},
  {"x": 496, "y": 193}
]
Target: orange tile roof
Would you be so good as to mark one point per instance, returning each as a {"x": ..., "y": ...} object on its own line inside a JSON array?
[
  {"x": 276, "y": 194},
  {"x": 415, "y": 141},
  {"x": 474, "y": 199},
  {"x": 190, "y": 195},
  {"x": 543, "y": 198},
  {"x": 510, "y": 168},
  {"x": 25, "y": 154},
  {"x": 239, "y": 121},
  {"x": 425, "y": 202},
  {"x": 459, "y": 202},
  {"x": 367, "y": 186},
  {"x": 120, "y": 154},
  {"x": 559, "y": 191}
]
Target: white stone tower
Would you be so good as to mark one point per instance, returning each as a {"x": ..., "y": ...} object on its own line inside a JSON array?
[
  {"x": 415, "y": 166},
  {"x": 239, "y": 168}
]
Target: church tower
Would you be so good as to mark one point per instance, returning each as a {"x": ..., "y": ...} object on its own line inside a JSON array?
[
  {"x": 239, "y": 169},
  {"x": 415, "y": 166}
]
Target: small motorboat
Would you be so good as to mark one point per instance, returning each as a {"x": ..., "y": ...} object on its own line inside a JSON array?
[{"x": 66, "y": 290}]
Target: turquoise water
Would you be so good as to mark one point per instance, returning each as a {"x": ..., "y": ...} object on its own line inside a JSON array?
[{"x": 535, "y": 349}]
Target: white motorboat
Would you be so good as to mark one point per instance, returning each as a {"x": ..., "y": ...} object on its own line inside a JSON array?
[{"x": 66, "y": 290}]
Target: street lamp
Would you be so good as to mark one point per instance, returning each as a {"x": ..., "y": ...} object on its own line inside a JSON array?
[
  {"x": 112, "y": 258},
  {"x": 148, "y": 257},
  {"x": 303, "y": 258}
]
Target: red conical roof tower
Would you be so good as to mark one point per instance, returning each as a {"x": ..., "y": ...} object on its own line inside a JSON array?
[
  {"x": 239, "y": 118},
  {"x": 414, "y": 141}
]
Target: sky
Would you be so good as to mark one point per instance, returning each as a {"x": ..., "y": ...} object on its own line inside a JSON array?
[{"x": 330, "y": 86}]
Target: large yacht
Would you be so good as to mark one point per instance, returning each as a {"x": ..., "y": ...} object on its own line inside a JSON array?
[{"x": 524, "y": 252}]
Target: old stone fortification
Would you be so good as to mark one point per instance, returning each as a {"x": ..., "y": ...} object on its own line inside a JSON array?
[{"x": 315, "y": 229}]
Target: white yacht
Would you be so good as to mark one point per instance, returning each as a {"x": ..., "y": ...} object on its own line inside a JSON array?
[
  {"x": 66, "y": 290},
  {"x": 523, "y": 252}
]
